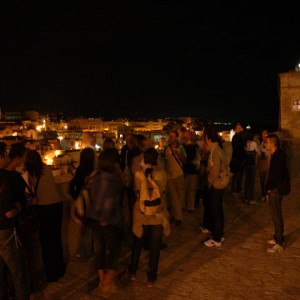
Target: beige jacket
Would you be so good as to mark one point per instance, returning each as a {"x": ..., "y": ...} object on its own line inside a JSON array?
[{"x": 162, "y": 218}]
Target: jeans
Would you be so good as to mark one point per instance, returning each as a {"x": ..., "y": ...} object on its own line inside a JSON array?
[
  {"x": 154, "y": 234},
  {"x": 216, "y": 213},
  {"x": 275, "y": 201},
  {"x": 12, "y": 256}
]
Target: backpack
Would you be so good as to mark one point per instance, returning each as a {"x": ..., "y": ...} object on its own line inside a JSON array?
[{"x": 150, "y": 198}]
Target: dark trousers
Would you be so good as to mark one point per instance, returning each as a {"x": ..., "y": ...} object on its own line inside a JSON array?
[
  {"x": 216, "y": 213},
  {"x": 237, "y": 181},
  {"x": 50, "y": 231},
  {"x": 250, "y": 173},
  {"x": 154, "y": 234},
  {"x": 275, "y": 206},
  {"x": 262, "y": 181},
  {"x": 206, "y": 218}
]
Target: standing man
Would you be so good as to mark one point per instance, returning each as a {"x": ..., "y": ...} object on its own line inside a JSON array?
[
  {"x": 274, "y": 187},
  {"x": 175, "y": 159},
  {"x": 237, "y": 163},
  {"x": 214, "y": 209}
]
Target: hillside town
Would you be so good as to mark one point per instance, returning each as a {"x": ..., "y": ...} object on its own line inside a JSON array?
[{"x": 53, "y": 136}]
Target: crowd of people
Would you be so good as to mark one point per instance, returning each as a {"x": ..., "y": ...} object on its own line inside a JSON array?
[{"x": 185, "y": 174}]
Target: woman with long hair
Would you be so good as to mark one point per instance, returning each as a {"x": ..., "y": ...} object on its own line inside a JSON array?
[{"x": 50, "y": 214}]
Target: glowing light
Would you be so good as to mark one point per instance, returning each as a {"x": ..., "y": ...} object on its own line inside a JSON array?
[
  {"x": 77, "y": 145},
  {"x": 57, "y": 152}
]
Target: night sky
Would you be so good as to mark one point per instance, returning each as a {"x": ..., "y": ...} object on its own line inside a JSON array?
[{"x": 214, "y": 60}]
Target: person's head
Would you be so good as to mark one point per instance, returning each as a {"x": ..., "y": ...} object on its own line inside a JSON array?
[
  {"x": 106, "y": 161},
  {"x": 212, "y": 135},
  {"x": 173, "y": 137},
  {"x": 87, "y": 160},
  {"x": 188, "y": 136},
  {"x": 150, "y": 156},
  {"x": 33, "y": 163},
  {"x": 3, "y": 155},
  {"x": 141, "y": 141},
  {"x": 249, "y": 135},
  {"x": 108, "y": 144},
  {"x": 16, "y": 155},
  {"x": 238, "y": 128},
  {"x": 272, "y": 143}
]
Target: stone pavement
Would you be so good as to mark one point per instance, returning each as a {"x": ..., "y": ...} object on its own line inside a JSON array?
[{"x": 240, "y": 269}]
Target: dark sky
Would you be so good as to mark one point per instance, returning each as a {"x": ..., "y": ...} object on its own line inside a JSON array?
[{"x": 213, "y": 60}]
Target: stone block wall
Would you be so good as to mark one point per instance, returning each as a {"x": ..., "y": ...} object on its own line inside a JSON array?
[{"x": 289, "y": 94}]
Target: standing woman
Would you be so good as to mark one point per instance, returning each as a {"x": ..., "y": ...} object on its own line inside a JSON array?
[
  {"x": 149, "y": 229},
  {"x": 84, "y": 245},
  {"x": 50, "y": 215},
  {"x": 107, "y": 223}
]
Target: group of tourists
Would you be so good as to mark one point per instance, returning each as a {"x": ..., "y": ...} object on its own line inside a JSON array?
[{"x": 157, "y": 187}]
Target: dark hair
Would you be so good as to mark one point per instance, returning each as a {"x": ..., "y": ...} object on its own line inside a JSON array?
[
  {"x": 274, "y": 138},
  {"x": 86, "y": 162},
  {"x": 107, "y": 161},
  {"x": 108, "y": 143},
  {"x": 17, "y": 150},
  {"x": 151, "y": 156},
  {"x": 249, "y": 135},
  {"x": 212, "y": 134},
  {"x": 175, "y": 131},
  {"x": 33, "y": 163}
]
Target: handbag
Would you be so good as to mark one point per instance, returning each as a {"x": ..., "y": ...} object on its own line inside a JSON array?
[{"x": 81, "y": 206}]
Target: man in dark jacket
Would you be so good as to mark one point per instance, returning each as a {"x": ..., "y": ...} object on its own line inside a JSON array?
[
  {"x": 275, "y": 187},
  {"x": 237, "y": 163}
]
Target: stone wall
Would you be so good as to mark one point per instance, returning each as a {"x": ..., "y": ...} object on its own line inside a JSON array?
[{"x": 289, "y": 93}]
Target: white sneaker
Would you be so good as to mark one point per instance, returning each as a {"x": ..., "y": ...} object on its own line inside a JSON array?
[
  {"x": 212, "y": 243},
  {"x": 271, "y": 242},
  {"x": 275, "y": 248}
]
